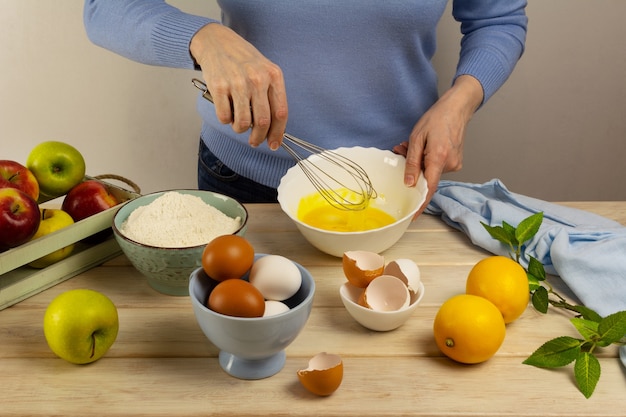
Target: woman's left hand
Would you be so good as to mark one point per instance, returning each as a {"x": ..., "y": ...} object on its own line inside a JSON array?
[{"x": 435, "y": 145}]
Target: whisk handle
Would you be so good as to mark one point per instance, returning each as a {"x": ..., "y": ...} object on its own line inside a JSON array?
[{"x": 200, "y": 85}]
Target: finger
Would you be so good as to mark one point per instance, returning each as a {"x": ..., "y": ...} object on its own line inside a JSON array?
[
  {"x": 261, "y": 118},
  {"x": 424, "y": 205},
  {"x": 223, "y": 106},
  {"x": 242, "y": 113},
  {"x": 413, "y": 167},
  {"x": 401, "y": 148},
  {"x": 432, "y": 174},
  {"x": 278, "y": 101}
]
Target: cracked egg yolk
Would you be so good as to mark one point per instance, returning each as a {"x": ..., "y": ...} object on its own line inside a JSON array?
[{"x": 317, "y": 212}]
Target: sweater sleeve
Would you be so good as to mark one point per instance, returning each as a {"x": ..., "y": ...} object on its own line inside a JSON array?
[
  {"x": 147, "y": 31},
  {"x": 494, "y": 36}
]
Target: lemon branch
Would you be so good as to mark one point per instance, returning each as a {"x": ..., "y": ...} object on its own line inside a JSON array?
[{"x": 595, "y": 331}]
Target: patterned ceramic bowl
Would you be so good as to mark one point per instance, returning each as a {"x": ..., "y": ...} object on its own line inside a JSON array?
[{"x": 168, "y": 269}]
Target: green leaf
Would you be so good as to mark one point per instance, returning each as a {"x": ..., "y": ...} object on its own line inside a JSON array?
[
  {"x": 587, "y": 313},
  {"x": 588, "y": 329},
  {"x": 510, "y": 231},
  {"x": 613, "y": 327},
  {"x": 533, "y": 282},
  {"x": 528, "y": 227},
  {"x": 555, "y": 353},
  {"x": 587, "y": 373},
  {"x": 536, "y": 269},
  {"x": 540, "y": 300},
  {"x": 499, "y": 233}
]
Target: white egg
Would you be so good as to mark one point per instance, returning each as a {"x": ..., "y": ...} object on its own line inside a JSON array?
[
  {"x": 277, "y": 277},
  {"x": 407, "y": 271},
  {"x": 273, "y": 307}
]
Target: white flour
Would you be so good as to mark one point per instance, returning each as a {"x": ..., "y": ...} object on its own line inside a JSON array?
[{"x": 176, "y": 220}]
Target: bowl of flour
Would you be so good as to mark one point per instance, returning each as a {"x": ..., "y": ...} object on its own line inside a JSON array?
[{"x": 163, "y": 234}]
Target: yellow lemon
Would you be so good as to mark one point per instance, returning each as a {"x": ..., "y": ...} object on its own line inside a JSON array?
[
  {"x": 469, "y": 329},
  {"x": 502, "y": 281}
]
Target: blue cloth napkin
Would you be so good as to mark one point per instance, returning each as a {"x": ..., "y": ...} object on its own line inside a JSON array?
[{"x": 587, "y": 251}]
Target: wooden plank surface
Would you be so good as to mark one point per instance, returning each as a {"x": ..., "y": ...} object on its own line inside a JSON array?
[{"x": 161, "y": 363}]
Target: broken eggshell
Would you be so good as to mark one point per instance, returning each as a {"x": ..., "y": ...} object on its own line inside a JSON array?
[
  {"x": 361, "y": 267},
  {"x": 324, "y": 374},
  {"x": 407, "y": 271},
  {"x": 386, "y": 293}
]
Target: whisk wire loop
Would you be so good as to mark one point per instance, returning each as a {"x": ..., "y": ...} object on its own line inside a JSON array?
[{"x": 352, "y": 192}]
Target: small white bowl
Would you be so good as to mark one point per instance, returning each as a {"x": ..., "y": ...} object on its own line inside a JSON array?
[
  {"x": 380, "y": 321},
  {"x": 386, "y": 171}
]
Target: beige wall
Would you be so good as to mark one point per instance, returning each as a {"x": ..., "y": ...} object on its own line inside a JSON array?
[{"x": 556, "y": 130}]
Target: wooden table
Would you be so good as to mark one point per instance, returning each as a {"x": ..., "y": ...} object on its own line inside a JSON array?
[{"x": 162, "y": 364}]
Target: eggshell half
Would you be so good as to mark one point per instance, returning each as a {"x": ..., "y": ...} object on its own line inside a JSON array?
[
  {"x": 386, "y": 293},
  {"x": 407, "y": 271},
  {"x": 361, "y": 267},
  {"x": 324, "y": 374}
]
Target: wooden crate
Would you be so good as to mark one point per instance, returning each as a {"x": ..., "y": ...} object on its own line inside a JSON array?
[{"x": 19, "y": 281}]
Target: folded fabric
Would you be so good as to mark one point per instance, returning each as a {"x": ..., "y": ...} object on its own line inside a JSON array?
[{"x": 587, "y": 251}]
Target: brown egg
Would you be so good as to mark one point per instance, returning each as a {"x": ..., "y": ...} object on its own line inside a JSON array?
[
  {"x": 324, "y": 374},
  {"x": 227, "y": 257},
  {"x": 238, "y": 298},
  {"x": 361, "y": 267}
]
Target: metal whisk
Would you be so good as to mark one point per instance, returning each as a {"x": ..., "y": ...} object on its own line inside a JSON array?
[{"x": 348, "y": 189}]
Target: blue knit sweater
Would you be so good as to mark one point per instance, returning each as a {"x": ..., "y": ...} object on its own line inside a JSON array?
[{"x": 357, "y": 72}]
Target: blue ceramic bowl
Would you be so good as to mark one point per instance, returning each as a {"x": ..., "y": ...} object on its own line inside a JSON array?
[{"x": 251, "y": 348}]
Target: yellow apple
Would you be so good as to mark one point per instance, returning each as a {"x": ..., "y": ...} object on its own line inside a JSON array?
[
  {"x": 81, "y": 325},
  {"x": 52, "y": 220}
]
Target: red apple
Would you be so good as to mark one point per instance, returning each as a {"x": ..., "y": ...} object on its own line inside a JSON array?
[
  {"x": 19, "y": 217},
  {"x": 86, "y": 199},
  {"x": 13, "y": 174}
]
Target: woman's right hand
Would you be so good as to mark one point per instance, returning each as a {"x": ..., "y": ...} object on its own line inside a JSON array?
[{"x": 248, "y": 90}]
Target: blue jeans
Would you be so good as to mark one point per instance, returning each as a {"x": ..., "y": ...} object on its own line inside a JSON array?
[{"x": 213, "y": 175}]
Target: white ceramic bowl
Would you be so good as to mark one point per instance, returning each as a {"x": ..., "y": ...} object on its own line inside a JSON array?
[
  {"x": 386, "y": 171},
  {"x": 381, "y": 321},
  {"x": 251, "y": 348}
]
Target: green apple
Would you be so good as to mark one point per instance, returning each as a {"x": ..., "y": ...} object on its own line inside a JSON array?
[
  {"x": 81, "y": 325},
  {"x": 51, "y": 221},
  {"x": 58, "y": 167}
]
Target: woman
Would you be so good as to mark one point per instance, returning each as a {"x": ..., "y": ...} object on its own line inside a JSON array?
[{"x": 336, "y": 73}]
